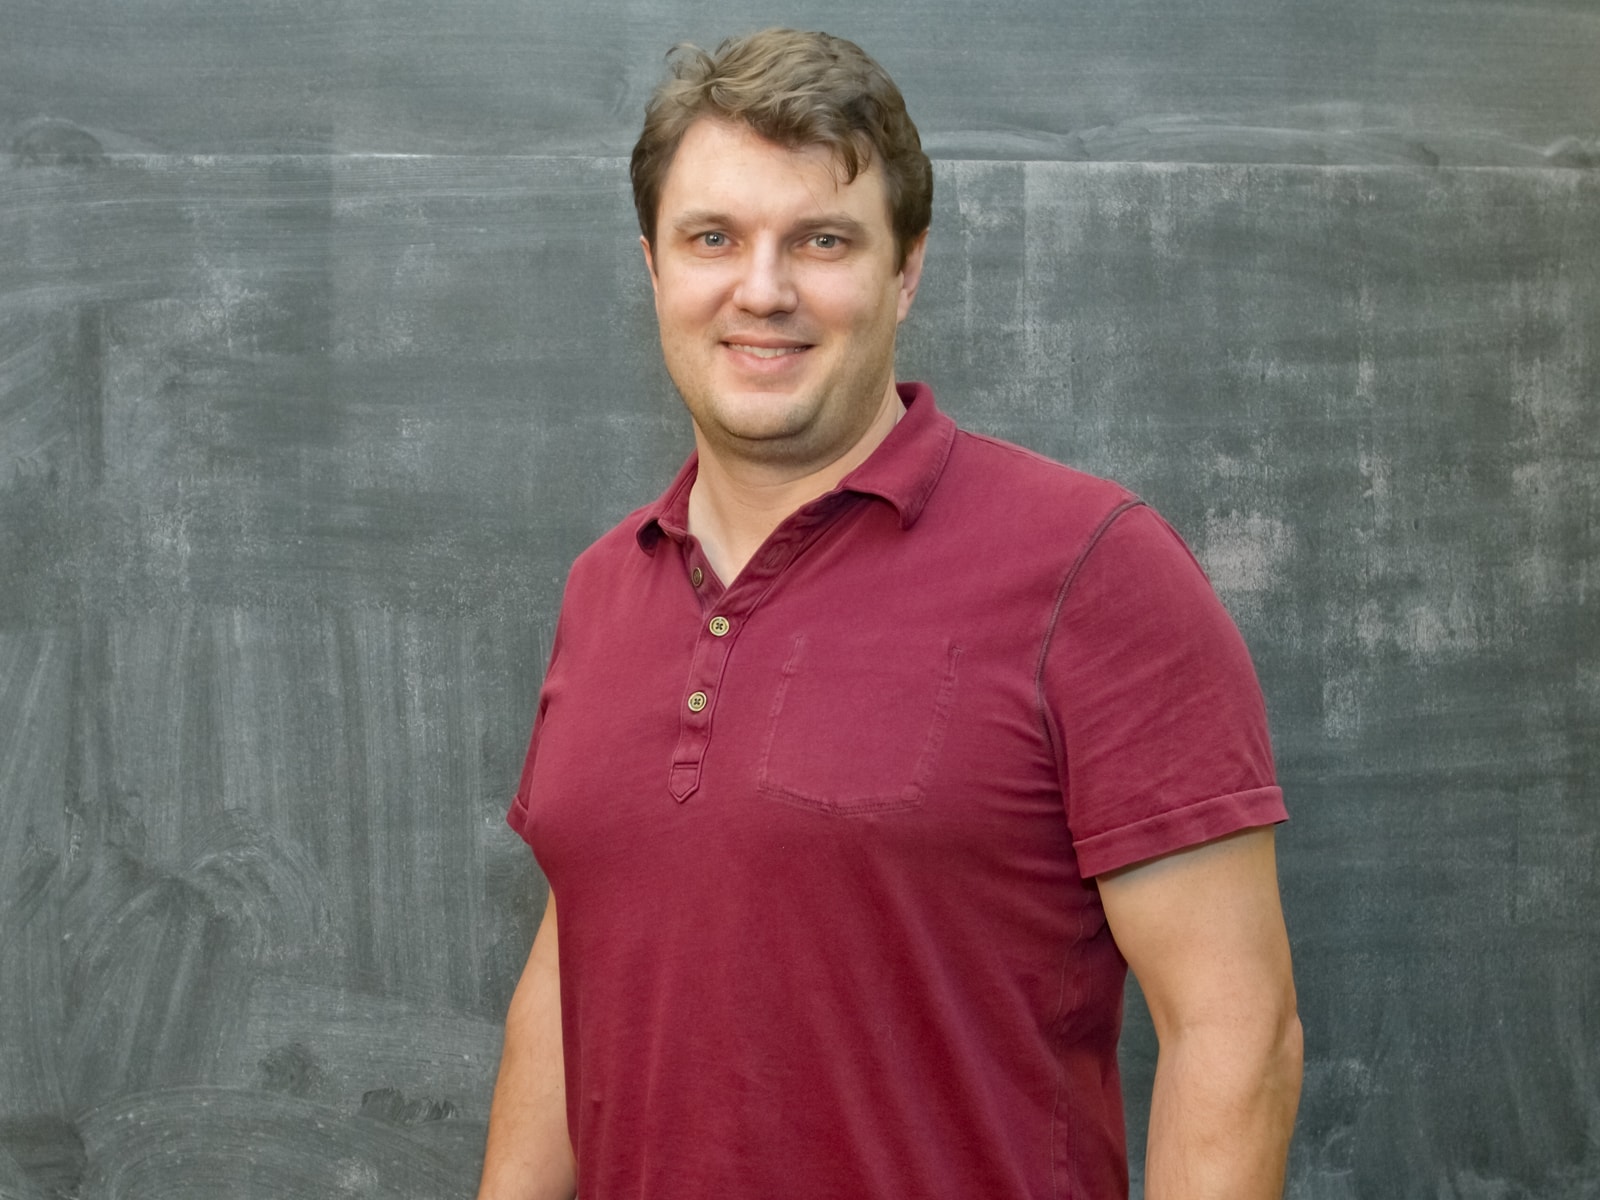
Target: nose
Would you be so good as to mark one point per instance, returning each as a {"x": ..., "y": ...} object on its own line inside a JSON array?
[{"x": 766, "y": 283}]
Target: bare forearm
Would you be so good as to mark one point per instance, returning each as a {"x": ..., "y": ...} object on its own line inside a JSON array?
[
  {"x": 1222, "y": 1114},
  {"x": 529, "y": 1152}
]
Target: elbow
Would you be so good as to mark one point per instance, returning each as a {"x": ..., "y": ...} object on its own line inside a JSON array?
[
  {"x": 1292, "y": 1042},
  {"x": 1290, "y": 1059}
]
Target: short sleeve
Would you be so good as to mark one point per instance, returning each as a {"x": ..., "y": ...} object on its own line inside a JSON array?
[
  {"x": 517, "y": 815},
  {"x": 1153, "y": 703}
]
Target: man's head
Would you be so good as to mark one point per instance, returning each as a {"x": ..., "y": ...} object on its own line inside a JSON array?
[
  {"x": 782, "y": 253},
  {"x": 796, "y": 90}
]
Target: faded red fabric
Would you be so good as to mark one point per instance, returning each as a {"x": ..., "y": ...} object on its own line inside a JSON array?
[{"x": 828, "y": 923}]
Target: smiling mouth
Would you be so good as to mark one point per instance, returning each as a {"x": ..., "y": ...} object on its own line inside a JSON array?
[{"x": 764, "y": 351}]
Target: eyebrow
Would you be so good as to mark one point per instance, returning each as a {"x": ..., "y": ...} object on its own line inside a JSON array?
[
  {"x": 837, "y": 223},
  {"x": 699, "y": 218}
]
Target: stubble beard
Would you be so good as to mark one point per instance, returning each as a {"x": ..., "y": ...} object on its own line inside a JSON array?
[
  {"x": 811, "y": 430},
  {"x": 814, "y": 428}
]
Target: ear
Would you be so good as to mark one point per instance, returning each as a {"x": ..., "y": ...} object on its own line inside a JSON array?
[
  {"x": 911, "y": 274},
  {"x": 649, "y": 261}
]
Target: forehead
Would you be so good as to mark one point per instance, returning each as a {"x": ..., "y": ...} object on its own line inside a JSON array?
[{"x": 722, "y": 164}]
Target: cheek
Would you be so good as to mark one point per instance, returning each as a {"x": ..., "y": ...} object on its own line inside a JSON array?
[
  {"x": 686, "y": 302},
  {"x": 844, "y": 303}
]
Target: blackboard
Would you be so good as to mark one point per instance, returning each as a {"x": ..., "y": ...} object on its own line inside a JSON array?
[{"x": 325, "y": 345}]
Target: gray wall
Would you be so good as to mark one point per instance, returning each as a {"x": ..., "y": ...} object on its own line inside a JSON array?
[{"x": 325, "y": 345}]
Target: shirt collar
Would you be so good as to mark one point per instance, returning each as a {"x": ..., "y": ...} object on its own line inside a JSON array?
[{"x": 903, "y": 470}]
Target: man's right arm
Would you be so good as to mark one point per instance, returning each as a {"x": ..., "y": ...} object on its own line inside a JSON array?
[{"x": 529, "y": 1153}]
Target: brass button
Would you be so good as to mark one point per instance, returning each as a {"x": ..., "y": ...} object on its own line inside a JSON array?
[
  {"x": 697, "y": 576},
  {"x": 697, "y": 701},
  {"x": 719, "y": 626}
]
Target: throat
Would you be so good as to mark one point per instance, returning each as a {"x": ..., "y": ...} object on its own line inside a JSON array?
[{"x": 729, "y": 534}]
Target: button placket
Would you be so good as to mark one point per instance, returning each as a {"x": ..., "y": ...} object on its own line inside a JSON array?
[
  {"x": 712, "y": 650},
  {"x": 714, "y": 646}
]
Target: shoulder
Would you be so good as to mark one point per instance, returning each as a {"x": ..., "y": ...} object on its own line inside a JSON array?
[
  {"x": 621, "y": 540},
  {"x": 1014, "y": 491},
  {"x": 1109, "y": 540},
  {"x": 977, "y": 458},
  {"x": 613, "y": 552}
]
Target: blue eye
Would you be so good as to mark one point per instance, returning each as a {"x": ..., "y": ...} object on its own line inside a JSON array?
[
  {"x": 714, "y": 239},
  {"x": 826, "y": 241}
]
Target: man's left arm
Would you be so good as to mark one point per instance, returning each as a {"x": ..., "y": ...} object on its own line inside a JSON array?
[{"x": 1203, "y": 931}]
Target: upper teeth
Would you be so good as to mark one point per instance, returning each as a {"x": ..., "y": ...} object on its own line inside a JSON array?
[{"x": 768, "y": 351}]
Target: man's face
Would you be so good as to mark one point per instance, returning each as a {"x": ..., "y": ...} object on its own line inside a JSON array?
[{"x": 778, "y": 297}]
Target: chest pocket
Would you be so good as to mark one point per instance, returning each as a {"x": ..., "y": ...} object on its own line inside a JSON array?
[{"x": 857, "y": 730}]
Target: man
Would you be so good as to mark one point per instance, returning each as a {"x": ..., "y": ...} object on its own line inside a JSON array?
[{"x": 870, "y": 751}]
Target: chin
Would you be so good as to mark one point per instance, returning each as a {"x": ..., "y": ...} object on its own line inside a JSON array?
[{"x": 762, "y": 415}]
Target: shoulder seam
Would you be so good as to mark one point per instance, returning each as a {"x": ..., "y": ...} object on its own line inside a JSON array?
[{"x": 1055, "y": 616}]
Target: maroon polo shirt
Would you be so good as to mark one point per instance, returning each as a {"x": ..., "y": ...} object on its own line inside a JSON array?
[{"x": 823, "y": 840}]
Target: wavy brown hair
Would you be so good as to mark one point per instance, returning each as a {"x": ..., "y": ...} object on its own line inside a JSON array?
[{"x": 795, "y": 89}]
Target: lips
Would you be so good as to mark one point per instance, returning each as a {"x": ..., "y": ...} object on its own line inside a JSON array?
[{"x": 764, "y": 351}]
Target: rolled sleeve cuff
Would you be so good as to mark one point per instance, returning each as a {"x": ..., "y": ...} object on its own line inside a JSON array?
[
  {"x": 517, "y": 817},
  {"x": 1179, "y": 829}
]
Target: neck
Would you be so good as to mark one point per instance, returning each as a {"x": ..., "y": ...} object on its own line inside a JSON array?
[{"x": 736, "y": 503}]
